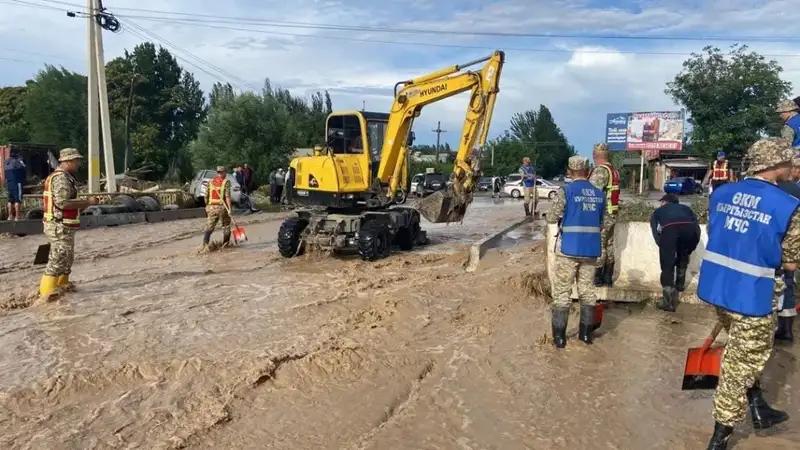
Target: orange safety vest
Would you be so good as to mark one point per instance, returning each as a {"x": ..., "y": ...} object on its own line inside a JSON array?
[
  {"x": 611, "y": 189},
  {"x": 720, "y": 172},
  {"x": 216, "y": 189},
  {"x": 69, "y": 217}
]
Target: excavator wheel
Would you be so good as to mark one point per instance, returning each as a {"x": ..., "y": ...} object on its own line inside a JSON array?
[
  {"x": 407, "y": 236},
  {"x": 373, "y": 241},
  {"x": 289, "y": 241}
]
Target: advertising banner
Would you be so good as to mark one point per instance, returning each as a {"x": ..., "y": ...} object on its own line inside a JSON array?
[{"x": 652, "y": 132}]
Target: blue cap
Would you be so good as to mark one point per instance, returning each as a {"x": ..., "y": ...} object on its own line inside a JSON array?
[{"x": 722, "y": 154}]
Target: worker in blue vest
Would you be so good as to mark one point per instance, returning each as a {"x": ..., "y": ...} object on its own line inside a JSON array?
[
  {"x": 578, "y": 208},
  {"x": 753, "y": 235},
  {"x": 790, "y": 114},
  {"x": 528, "y": 173}
]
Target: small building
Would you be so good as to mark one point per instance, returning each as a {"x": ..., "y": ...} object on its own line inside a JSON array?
[
  {"x": 40, "y": 160},
  {"x": 661, "y": 169}
]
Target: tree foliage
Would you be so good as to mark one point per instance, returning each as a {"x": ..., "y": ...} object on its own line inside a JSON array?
[
  {"x": 13, "y": 126},
  {"x": 54, "y": 108},
  {"x": 731, "y": 98},
  {"x": 533, "y": 134}
]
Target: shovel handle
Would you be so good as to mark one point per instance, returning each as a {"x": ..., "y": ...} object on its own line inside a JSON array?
[{"x": 713, "y": 336}]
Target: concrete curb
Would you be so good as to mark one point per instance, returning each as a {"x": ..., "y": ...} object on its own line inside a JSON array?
[
  {"x": 26, "y": 227},
  {"x": 479, "y": 248}
]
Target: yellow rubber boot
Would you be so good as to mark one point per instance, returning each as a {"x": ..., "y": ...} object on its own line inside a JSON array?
[
  {"x": 64, "y": 283},
  {"x": 48, "y": 286}
]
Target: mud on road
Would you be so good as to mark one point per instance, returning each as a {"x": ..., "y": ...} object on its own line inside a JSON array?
[{"x": 162, "y": 348}]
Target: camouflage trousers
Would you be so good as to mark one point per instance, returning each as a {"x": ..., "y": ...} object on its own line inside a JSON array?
[
  {"x": 62, "y": 248},
  {"x": 530, "y": 198},
  {"x": 607, "y": 240},
  {"x": 217, "y": 213},
  {"x": 749, "y": 347},
  {"x": 568, "y": 271}
]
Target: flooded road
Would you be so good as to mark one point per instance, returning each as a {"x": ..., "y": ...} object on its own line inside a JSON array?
[{"x": 164, "y": 348}]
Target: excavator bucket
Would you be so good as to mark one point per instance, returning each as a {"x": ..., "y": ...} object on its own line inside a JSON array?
[{"x": 444, "y": 206}]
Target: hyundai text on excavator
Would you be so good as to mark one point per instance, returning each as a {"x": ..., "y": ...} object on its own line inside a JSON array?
[{"x": 348, "y": 189}]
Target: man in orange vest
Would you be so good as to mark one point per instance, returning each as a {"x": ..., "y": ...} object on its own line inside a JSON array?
[
  {"x": 61, "y": 221},
  {"x": 605, "y": 177},
  {"x": 720, "y": 172},
  {"x": 218, "y": 207}
]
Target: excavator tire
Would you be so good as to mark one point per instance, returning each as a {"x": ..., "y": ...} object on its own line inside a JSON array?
[
  {"x": 407, "y": 236},
  {"x": 289, "y": 237},
  {"x": 373, "y": 241}
]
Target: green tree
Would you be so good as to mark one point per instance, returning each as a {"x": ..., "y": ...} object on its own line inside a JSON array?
[
  {"x": 55, "y": 108},
  {"x": 12, "y": 114},
  {"x": 731, "y": 98}
]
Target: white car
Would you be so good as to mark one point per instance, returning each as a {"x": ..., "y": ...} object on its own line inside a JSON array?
[
  {"x": 199, "y": 186},
  {"x": 544, "y": 188}
]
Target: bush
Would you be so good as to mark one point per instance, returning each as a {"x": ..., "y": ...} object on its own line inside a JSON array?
[{"x": 640, "y": 210}]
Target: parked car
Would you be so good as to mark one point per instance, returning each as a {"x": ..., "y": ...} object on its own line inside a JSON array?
[
  {"x": 199, "y": 186},
  {"x": 430, "y": 183},
  {"x": 544, "y": 188},
  {"x": 415, "y": 180},
  {"x": 683, "y": 186},
  {"x": 485, "y": 184}
]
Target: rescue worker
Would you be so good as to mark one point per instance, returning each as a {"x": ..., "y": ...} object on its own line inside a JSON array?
[
  {"x": 218, "y": 207},
  {"x": 61, "y": 221},
  {"x": 579, "y": 209},
  {"x": 14, "y": 171},
  {"x": 676, "y": 232},
  {"x": 606, "y": 178},
  {"x": 790, "y": 114},
  {"x": 754, "y": 231},
  {"x": 719, "y": 174},
  {"x": 788, "y": 312},
  {"x": 528, "y": 173}
]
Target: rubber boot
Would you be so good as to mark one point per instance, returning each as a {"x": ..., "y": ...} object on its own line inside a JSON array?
[
  {"x": 608, "y": 274},
  {"x": 206, "y": 238},
  {"x": 226, "y": 238},
  {"x": 48, "y": 287},
  {"x": 719, "y": 440},
  {"x": 64, "y": 284},
  {"x": 527, "y": 209},
  {"x": 669, "y": 299},
  {"x": 586, "y": 327},
  {"x": 680, "y": 279},
  {"x": 560, "y": 318},
  {"x": 762, "y": 414},
  {"x": 599, "y": 276},
  {"x": 784, "y": 332}
]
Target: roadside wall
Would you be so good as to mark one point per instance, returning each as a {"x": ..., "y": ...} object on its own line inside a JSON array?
[{"x": 637, "y": 270}]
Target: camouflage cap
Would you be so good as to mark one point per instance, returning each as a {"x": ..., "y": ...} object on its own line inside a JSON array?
[
  {"x": 601, "y": 147},
  {"x": 221, "y": 169},
  {"x": 768, "y": 153},
  {"x": 68, "y": 154},
  {"x": 787, "y": 106},
  {"x": 796, "y": 159},
  {"x": 577, "y": 163}
]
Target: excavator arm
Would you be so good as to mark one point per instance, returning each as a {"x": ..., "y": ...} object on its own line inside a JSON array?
[{"x": 413, "y": 95}]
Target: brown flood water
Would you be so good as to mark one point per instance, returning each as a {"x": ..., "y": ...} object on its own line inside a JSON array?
[{"x": 162, "y": 348}]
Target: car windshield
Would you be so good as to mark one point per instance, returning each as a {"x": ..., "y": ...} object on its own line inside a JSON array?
[
  {"x": 485, "y": 180},
  {"x": 434, "y": 177},
  {"x": 513, "y": 178}
]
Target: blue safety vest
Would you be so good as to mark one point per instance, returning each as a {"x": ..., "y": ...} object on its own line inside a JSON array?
[
  {"x": 746, "y": 225},
  {"x": 528, "y": 182},
  {"x": 583, "y": 216},
  {"x": 794, "y": 124}
]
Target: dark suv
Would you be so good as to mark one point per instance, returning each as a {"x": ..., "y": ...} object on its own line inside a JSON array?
[{"x": 430, "y": 183}]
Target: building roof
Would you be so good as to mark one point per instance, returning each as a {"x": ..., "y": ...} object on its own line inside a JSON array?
[{"x": 686, "y": 164}]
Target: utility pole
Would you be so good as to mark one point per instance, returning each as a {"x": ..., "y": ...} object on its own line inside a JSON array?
[
  {"x": 98, "y": 93},
  {"x": 438, "y": 132},
  {"x": 92, "y": 105},
  {"x": 363, "y": 105}
]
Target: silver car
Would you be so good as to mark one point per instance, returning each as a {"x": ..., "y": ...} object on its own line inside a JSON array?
[
  {"x": 544, "y": 188},
  {"x": 199, "y": 186}
]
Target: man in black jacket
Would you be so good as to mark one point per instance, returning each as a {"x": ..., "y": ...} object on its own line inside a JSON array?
[
  {"x": 677, "y": 233},
  {"x": 788, "y": 311}
]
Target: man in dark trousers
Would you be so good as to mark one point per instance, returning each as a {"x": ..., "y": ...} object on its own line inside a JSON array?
[
  {"x": 677, "y": 233},
  {"x": 788, "y": 312}
]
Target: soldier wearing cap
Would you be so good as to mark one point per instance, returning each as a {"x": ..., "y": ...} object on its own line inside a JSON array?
[
  {"x": 790, "y": 114},
  {"x": 61, "y": 221},
  {"x": 606, "y": 178},
  {"x": 719, "y": 173},
  {"x": 578, "y": 209},
  {"x": 754, "y": 234},
  {"x": 218, "y": 207},
  {"x": 788, "y": 309}
]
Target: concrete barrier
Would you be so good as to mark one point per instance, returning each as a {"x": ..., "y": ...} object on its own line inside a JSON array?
[
  {"x": 478, "y": 249},
  {"x": 637, "y": 271}
]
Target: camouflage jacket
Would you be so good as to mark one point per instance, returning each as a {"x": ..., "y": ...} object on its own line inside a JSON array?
[{"x": 63, "y": 186}]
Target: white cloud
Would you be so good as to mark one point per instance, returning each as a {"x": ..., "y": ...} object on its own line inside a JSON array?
[{"x": 596, "y": 57}]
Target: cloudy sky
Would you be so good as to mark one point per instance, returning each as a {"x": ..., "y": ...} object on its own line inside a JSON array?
[{"x": 583, "y": 64}]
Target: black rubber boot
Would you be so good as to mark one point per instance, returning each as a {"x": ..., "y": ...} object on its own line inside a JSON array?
[
  {"x": 226, "y": 238},
  {"x": 560, "y": 318},
  {"x": 719, "y": 440},
  {"x": 669, "y": 299},
  {"x": 784, "y": 332},
  {"x": 762, "y": 414},
  {"x": 586, "y": 327},
  {"x": 206, "y": 237},
  {"x": 608, "y": 274},
  {"x": 527, "y": 209},
  {"x": 680, "y": 279},
  {"x": 599, "y": 276}
]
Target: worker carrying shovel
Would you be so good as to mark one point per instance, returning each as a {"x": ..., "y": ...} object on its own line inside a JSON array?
[
  {"x": 218, "y": 207},
  {"x": 754, "y": 234}
]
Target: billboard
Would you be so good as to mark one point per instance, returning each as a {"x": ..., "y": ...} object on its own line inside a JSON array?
[{"x": 645, "y": 131}]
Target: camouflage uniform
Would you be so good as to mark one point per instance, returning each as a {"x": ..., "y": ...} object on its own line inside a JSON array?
[
  {"x": 600, "y": 178},
  {"x": 750, "y": 339},
  {"x": 567, "y": 269},
  {"x": 217, "y": 213},
  {"x": 788, "y": 106},
  {"x": 62, "y": 238}
]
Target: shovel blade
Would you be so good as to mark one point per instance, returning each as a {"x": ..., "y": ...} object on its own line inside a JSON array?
[
  {"x": 239, "y": 234},
  {"x": 702, "y": 368},
  {"x": 444, "y": 206},
  {"x": 42, "y": 254}
]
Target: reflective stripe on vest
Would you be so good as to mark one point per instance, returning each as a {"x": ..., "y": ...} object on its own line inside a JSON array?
[
  {"x": 611, "y": 188},
  {"x": 216, "y": 189},
  {"x": 747, "y": 223},
  {"x": 720, "y": 173},
  {"x": 583, "y": 215},
  {"x": 69, "y": 217},
  {"x": 794, "y": 124}
]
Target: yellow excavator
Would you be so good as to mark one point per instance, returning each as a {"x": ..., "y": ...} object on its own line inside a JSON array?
[{"x": 349, "y": 189}]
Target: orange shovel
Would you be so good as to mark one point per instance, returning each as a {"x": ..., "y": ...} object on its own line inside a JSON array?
[
  {"x": 238, "y": 232},
  {"x": 599, "y": 308},
  {"x": 703, "y": 364}
]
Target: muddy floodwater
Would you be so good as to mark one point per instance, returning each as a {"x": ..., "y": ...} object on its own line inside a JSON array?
[{"x": 164, "y": 348}]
